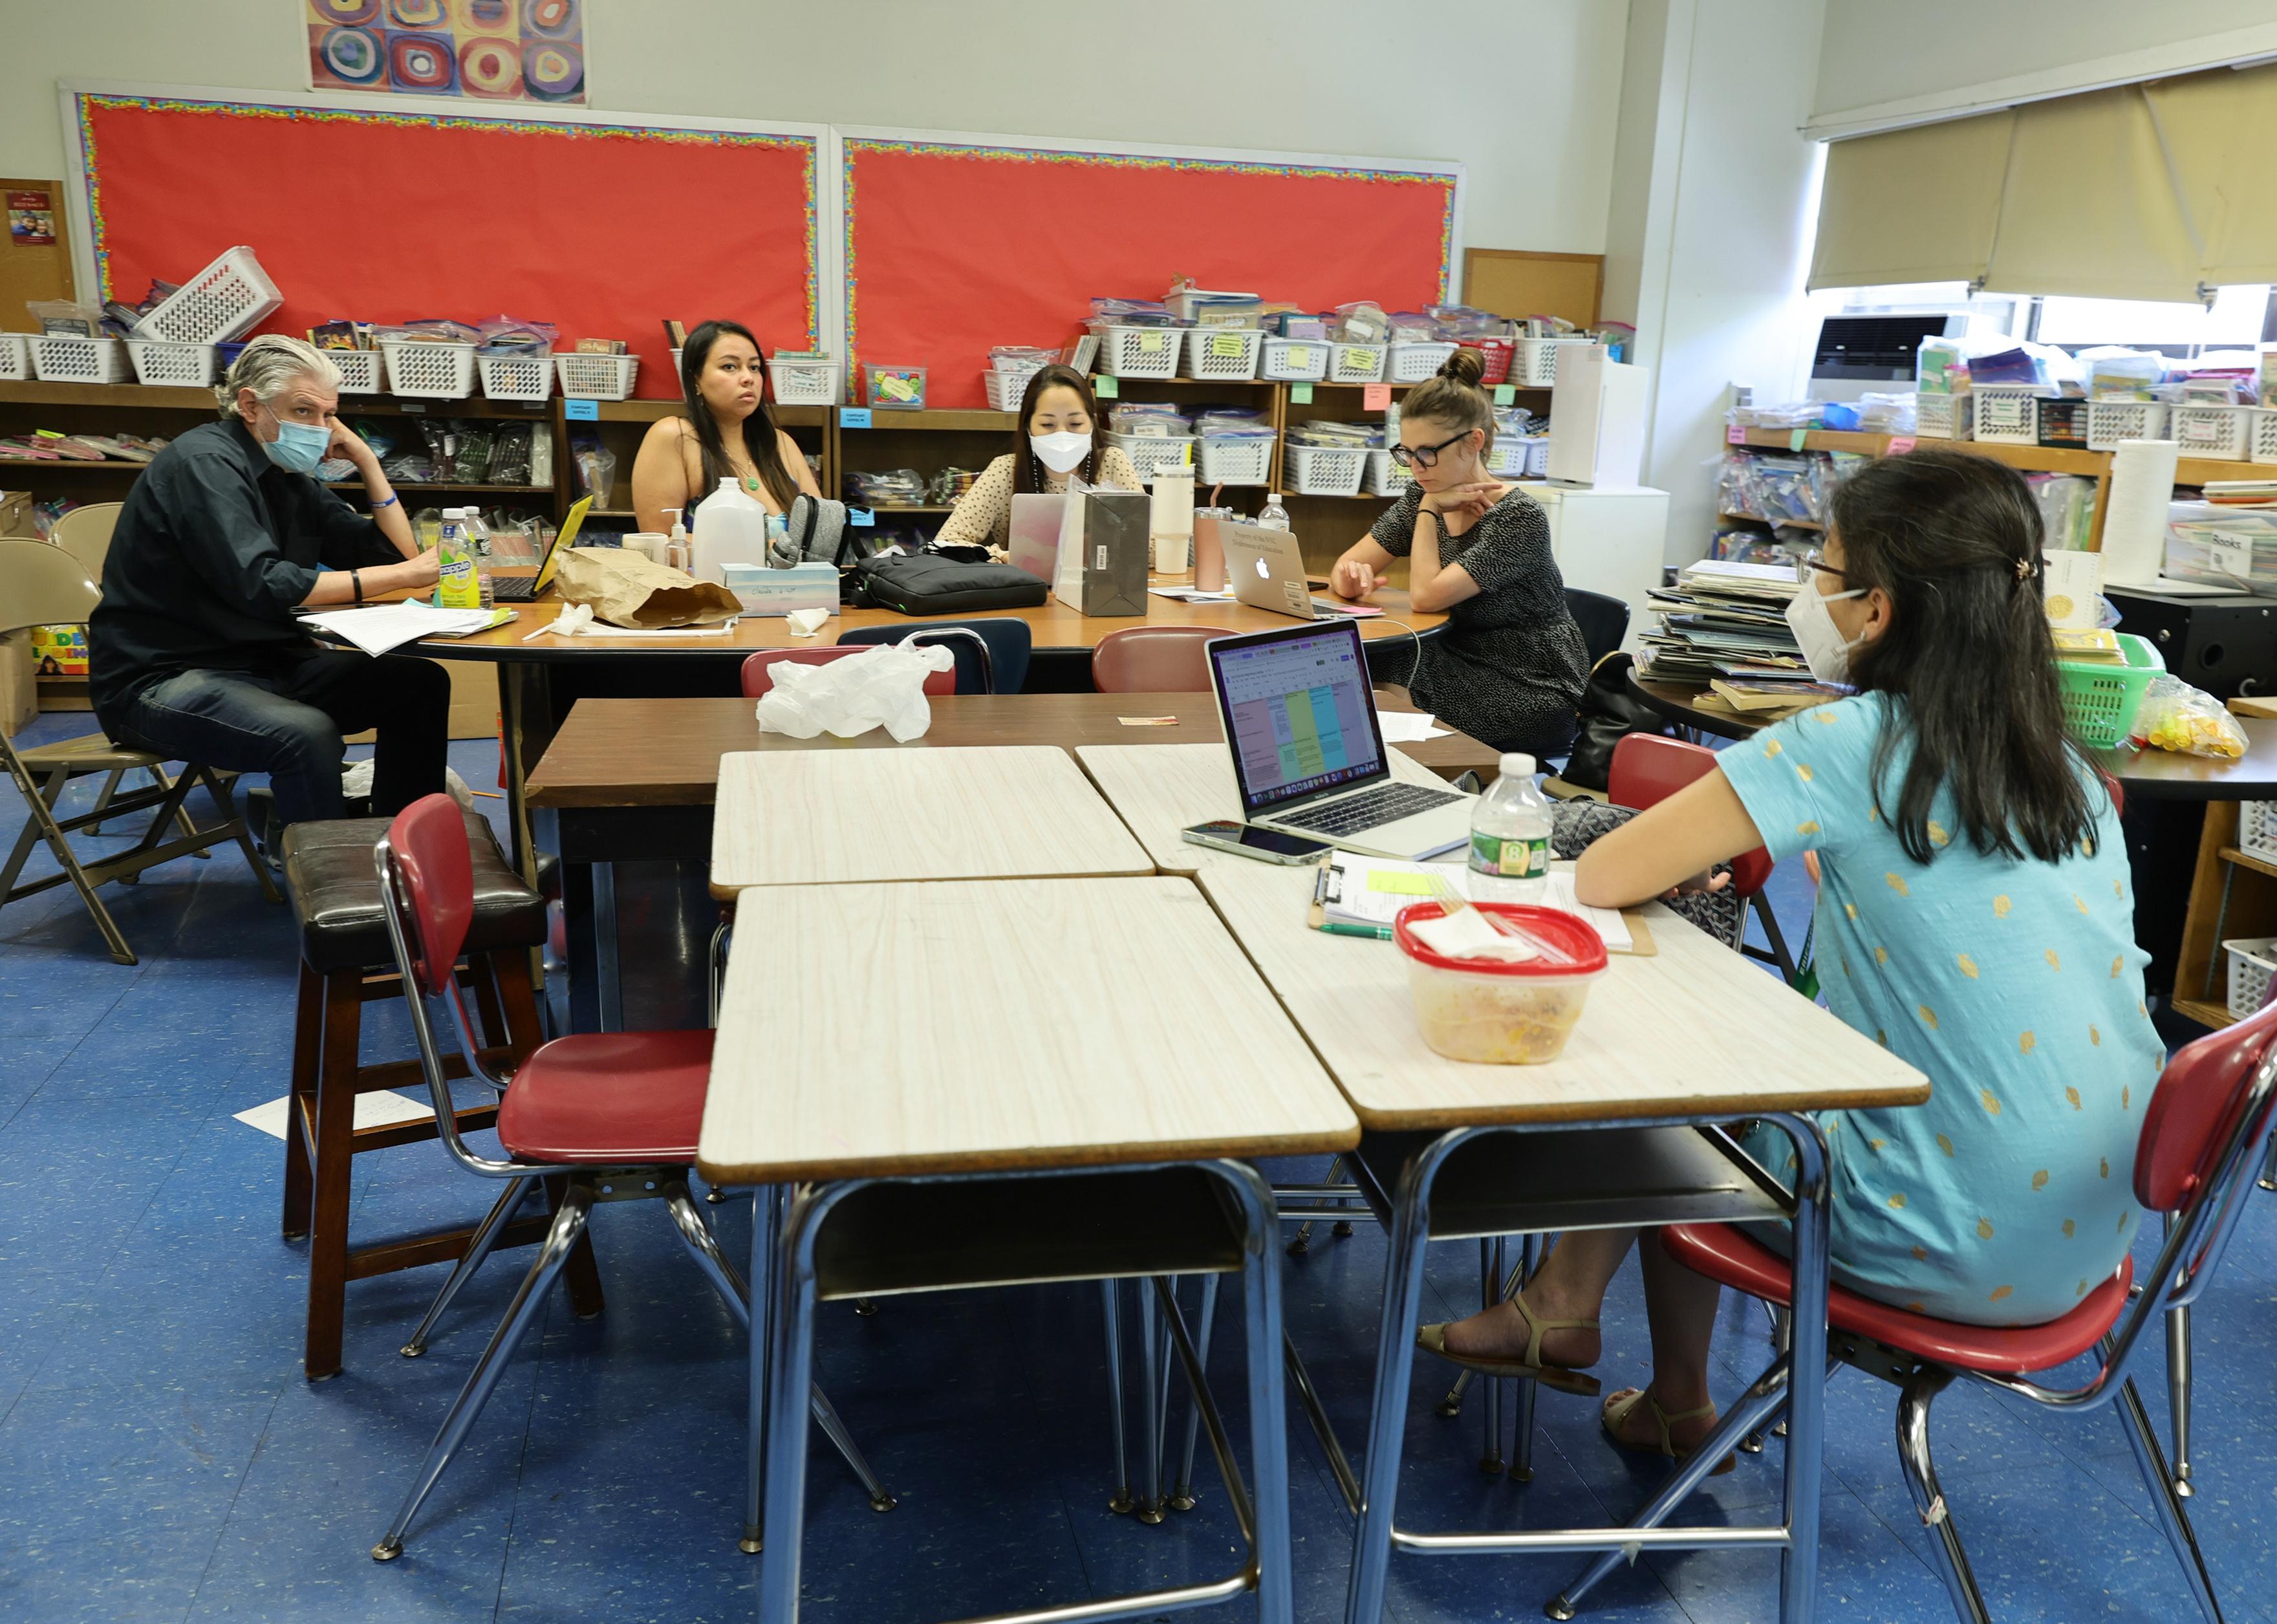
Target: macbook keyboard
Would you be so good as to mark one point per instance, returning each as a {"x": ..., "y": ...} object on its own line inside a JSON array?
[{"x": 1370, "y": 808}]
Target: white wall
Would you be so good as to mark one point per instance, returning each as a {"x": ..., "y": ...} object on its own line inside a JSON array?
[
  {"x": 1883, "y": 64},
  {"x": 1288, "y": 75}
]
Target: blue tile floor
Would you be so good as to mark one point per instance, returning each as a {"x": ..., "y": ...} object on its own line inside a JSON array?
[{"x": 161, "y": 1457}]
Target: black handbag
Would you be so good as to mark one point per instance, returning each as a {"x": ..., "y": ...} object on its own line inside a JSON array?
[
  {"x": 1609, "y": 709},
  {"x": 927, "y": 583}
]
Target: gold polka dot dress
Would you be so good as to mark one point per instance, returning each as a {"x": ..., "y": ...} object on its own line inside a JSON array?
[{"x": 2014, "y": 984}]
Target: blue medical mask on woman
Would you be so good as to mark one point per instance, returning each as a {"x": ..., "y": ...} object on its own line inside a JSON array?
[{"x": 299, "y": 446}]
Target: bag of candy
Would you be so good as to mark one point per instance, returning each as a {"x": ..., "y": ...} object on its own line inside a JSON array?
[{"x": 2188, "y": 720}]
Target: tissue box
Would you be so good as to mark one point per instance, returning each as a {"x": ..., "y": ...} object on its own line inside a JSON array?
[
  {"x": 1105, "y": 544},
  {"x": 762, "y": 591}
]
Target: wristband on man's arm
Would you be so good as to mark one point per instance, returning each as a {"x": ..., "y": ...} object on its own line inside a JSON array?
[
  {"x": 356, "y": 579},
  {"x": 380, "y": 506}
]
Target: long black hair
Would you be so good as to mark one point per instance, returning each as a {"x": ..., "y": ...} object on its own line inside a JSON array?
[
  {"x": 1954, "y": 541},
  {"x": 1027, "y": 467},
  {"x": 765, "y": 447}
]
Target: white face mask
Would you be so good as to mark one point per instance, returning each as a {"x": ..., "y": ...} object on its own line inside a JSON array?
[
  {"x": 1825, "y": 650},
  {"x": 1062, "y": 453}
]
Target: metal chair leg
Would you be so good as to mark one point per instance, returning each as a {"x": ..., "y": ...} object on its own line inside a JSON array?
[
  {"x": 1952, "y": 1562},
  {"x": 2269, "y": 1166},
  {"x": 1182, "y": 1494},
  {"x": 1150, "y": 1501},
  {"x": 1303, "y": 1241},
  {"x": 1777, "y": 939},
  {"x": 1120, "y": 1503},
  {"x": 111, "y": 782},
  {"x": 2178, "y": 1387},
  {"x": 1394, "y": 1363},
  {"x": 478, "y": 1248},
  {"x": 1521, "y": 1453},
  {"x": 552, "y": 1253},
  {"x": 2167, "y": 1500},
  {"x": 1490, "y": 1267}
]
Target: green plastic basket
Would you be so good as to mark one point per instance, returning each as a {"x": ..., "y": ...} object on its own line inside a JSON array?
[{"x": 2100, "y": 701}]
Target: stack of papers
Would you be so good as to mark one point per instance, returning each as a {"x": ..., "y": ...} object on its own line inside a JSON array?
[
  {"x": 1409, "y": 726},
  {"x": 1360, "y": 897},
  {"x": 1723, "y": 619},
  {"x": 385, "y": 626}
]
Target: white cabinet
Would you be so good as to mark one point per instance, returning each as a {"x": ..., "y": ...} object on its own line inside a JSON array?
[{"x": 1607, "y": 541}]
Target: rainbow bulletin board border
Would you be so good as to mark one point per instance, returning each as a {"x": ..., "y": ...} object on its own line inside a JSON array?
[
  {"x": 996, "y": 195},
  {"x": 583, "y": 129}
]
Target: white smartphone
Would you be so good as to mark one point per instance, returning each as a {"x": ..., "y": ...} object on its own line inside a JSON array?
[{"x": 1249, "y": 840}]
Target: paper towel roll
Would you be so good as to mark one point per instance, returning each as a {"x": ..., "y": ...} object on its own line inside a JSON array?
[
  {"x": 1173, "y": 515},
  {"x": 2134, "y": 511}
]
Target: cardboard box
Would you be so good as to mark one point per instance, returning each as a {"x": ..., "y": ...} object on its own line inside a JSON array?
[
  {"x": 19, "y": 688},
  {"x": 16, "y": 514}
]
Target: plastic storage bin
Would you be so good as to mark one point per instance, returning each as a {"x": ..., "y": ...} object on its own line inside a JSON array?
[
  {"x": 1224, "y": 353},
  {"x": 2216, "y": 432},
  {"x": 2008, "y": 414},
  {"x": 1495, "y": 354},
  {"x": 2256, "y": 828},
  {"x": 15, "y": 357},
  {"x": 1140, "y": 352},
  {"x": 359, "y": 369},
  {"x": 1295, "y": 361},
  {"x": 58, "y": 358},
  {"x": 2100, "y": 701},
  {"x": 1356, "y": 363},
  {"x": 1006, "y": 390},
  {"x": 2249, "y": 560},
  {"x": 1534, "y": 363},
  {"x": 1386, "y": 477},
  {"x": 1945, "y": 416},
  {"x": 2261, "y": 443},
  {"x": 516, "y": 377},
  {"x": 1236, "y": 459},
  {"x": 1325, "y": 470},
  {"x": 1412, "y": 364},
  {"x": 2110, "y": 422},
  {"x": 180, "y": 366},
  {"x": 2063, "y": 424},
  {"x": 430, "y": 371},
  {"x": 893, "y": 389},
  {"x": 800, "y": 383},
  {"x": 1495, "y": 1012},
  {"x": 1506, "y": 458},
  {"x": 2252, "y": 961},
  {"x": 1154, "y": 453},
  {"x": 227, "y": 298},
  {"x": 590, "y": 377}
]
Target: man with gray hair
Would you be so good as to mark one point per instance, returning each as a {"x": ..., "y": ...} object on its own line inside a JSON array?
[{"x": 193, "y": 651}]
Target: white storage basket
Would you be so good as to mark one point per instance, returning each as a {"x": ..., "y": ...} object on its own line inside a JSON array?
[
  {"x": 1412, "y": 364},
  {"x": 59, "y": 358},
  {"x": 1386, "y": 477},
  {"x": 1505, "y": 459},
  {"x": 178, "y": 366},
  {"x": 1295, "y": 361},
  {"x": 516, "y": 377},
  {"x": 2252, "y": 960},
  {"x": 15, "y": 357},
  {"x": 1140, "y": 352},
  {"x": 1236, "y": 459},
  {"x": 2256, "y": 828},
  {"x": 359, "y": 369},
  {"x": 422, "y": 371},
  {"x": 2008, "y": 414},
  {"x": 1533, "y": 364},
  {"x": 2110, "y": 422},
  {"x": 227, "y": 298},
  {"x": 1326, "y": 470},
  {"x": 2261, "y": 444},
  {"x": 1223, "y": 355},
  {"x": 1356, "y": 363},
  {"x": 1537, "y": 457},
  {"x": 1945, "y": 416},
  {"x": 597, "y": 378},
  {"x": 1154, "y": 453},
  {"x": 1005, "y": 389},
  {"x": 797, "y": 382},
  {"x": 2215, "y": 431}
]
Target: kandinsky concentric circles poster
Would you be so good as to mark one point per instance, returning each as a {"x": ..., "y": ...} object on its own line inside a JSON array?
[{"x": 492, "y": 51}]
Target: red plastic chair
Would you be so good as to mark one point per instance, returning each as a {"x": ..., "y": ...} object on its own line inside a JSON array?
[
  {"x": 617, "y": 1113},
  {"x": 1153, "y": 660},
  {"x": 759, "y": 670},
  {"x": 2202, "y": 1132},
  {"x": 1647, "y": 769}
]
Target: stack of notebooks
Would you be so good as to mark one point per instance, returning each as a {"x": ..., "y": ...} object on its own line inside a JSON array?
[{"x": 1723, "y": 627}]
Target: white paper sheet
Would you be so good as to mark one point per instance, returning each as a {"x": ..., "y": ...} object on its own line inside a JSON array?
[
  {"x": 385, "y": 626},
  {"x": 1409, "y": 726},
  {"x": 381, "y": 1110}
]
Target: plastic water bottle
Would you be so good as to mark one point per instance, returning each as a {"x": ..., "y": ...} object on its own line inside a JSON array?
[
  {"x": 1275, "y": 517},
  {"x": 1510, "y": 838},
  {"x": 478, "y": 545},
  {"x": 456, "y": 586}
]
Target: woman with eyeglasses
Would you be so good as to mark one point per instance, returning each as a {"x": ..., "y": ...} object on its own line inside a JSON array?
[{"x": 1509, "y": 665}]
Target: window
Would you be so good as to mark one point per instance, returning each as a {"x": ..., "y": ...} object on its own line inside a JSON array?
[{"x": 2236, "y": 322}]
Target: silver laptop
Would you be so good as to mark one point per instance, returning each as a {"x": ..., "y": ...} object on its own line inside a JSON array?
[
  {"x": 1267, "y": 572},
  {"x": 1308, "y": 756}
]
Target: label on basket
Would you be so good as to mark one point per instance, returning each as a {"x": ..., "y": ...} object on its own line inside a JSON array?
[
  {"x": 2232, "y": 552},
  {"x": 1901, "y": 444},
  {"x": 1355, "y": 358},
  {"x": 1505, "y": 395},
  {"x": 853, "y": 416},
  {"x": 581, "y": 411},
  {"x": 1154, "y": 341},
  {"x": 860, "y": 517},
  {"x": 1228, "y": 346},
  {"x": 1375, "y": 397},
  {"x": 1106, "y": 387},
  {"x": 1300, "y": 394},
  {"x": 1734, "y": 435}
]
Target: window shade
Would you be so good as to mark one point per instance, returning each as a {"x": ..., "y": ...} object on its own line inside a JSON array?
[
  {"x": 1917, "y": 205},
  {"x": 2221, "y": 129}
]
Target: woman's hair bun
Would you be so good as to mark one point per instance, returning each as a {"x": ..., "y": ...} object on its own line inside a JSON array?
[{"x": 1464, "y": 366}]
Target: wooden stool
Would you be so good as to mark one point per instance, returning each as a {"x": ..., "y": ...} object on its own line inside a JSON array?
[{"x": 344, "y": 958}]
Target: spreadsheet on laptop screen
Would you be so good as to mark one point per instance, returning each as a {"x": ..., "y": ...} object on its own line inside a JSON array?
[{"x": 1299, "y": 708}]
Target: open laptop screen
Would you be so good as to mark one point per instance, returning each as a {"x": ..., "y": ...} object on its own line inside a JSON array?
[{"x": 1297, "y": 713}]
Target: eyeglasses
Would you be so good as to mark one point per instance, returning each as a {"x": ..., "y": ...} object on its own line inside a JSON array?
[
  {"x": 1818, "y": 561},
  {"x": 1424, "y": 456}
]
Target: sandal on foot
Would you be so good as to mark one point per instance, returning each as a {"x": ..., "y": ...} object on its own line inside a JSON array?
[
  {"x": 1618, "y": 1409},
  {"x": 1433, "y": 1339}
]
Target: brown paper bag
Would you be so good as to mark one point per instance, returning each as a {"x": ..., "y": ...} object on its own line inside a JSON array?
[{"x": 625, "y": 589}]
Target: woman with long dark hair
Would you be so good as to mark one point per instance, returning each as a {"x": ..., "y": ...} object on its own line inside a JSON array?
[
  {"x": 728, "y": 433},
  {"x": 1061, "y": 436},
  {"x": 1974, "y": 917}
]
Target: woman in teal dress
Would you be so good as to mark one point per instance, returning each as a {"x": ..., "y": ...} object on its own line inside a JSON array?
[{"x": 1975, "y": 917}]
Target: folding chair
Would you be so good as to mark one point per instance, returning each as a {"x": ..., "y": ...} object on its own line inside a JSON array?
[{"x": 43, "y": 585}]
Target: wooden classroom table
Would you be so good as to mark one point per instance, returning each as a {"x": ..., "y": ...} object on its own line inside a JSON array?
[{"x": 1057, "y": 1057}]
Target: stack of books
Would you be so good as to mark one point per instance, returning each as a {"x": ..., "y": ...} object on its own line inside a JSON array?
[{"x": 1723, "y": 628}]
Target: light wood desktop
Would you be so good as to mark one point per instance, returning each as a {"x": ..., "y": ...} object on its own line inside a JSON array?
[
  {"x": 844, "y": 817},
  {"x": 1162, "y": 788},
  {"x": 1694, "y": 1032},
  {"x": 998, "y": 1026}
]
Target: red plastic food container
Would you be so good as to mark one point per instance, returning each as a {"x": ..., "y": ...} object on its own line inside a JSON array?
[
  {"x": 1497, "y": 353},
  {"x": 1493, "y": 1011}
]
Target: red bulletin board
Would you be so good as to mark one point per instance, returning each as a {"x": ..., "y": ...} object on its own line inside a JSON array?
[
  {"x": 604, "y": 230},
  {"x": 951, "y": 248}
]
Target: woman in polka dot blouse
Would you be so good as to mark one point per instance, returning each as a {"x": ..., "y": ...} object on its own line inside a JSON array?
[{"x": 1974, "y": 916}]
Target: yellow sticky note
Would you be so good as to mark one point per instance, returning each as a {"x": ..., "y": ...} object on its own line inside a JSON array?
[
  {"x": 1227, "y": 345},
  {"x": 1399, "y": 884}
]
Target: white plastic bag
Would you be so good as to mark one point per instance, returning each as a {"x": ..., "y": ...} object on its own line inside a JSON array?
[{"x": 883, "y": 687}]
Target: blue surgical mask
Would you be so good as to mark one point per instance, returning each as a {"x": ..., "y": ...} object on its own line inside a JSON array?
[{"x": 299, "y": 446}]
